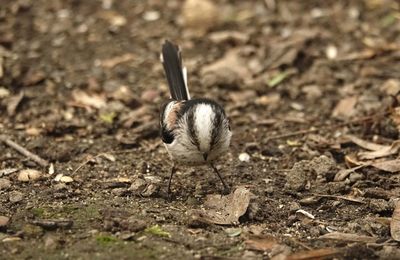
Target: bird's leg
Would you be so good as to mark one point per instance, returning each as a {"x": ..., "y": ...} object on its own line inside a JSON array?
[
  {"x": 226, "y": 187},
  {"x": 173, "y": 170}
]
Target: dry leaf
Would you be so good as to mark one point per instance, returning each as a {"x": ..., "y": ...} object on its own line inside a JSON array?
[
  {"x": 111, "y": 63},
  {"x": 395, "y": 223},
  {"x": 386, "y": 150},
  {"x": 231, "y": 61},
  {"x": 345, "y": 108},
  {"x": 391, "y": 87},
  {"x": 342, "y": 174},
  {"x": 224, "y": 210},
  {"x": 365, "y": 144},
  {"x": 349, "y": 237},
  {"x": 388, "y": 166},
  {"x": 314, "y": 254},
  {"x": 261, "y": 243},
  {"x": 228, "y": 36},
  {"x": 90, "y": 100},
  {"x": 13, "y": 103}
]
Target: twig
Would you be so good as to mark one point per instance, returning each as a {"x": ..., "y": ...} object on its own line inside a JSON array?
[
  {"x": 340, "y": 197},
  {"x": 23, "y": 151}
]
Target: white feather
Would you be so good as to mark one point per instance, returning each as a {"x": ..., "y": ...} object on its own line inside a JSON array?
[
  {"x": 184, "y": 73},
  {"x": 203, "y": 123}
]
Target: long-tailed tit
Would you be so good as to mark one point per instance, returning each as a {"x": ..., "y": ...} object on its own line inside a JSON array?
[{"x": 194, "y": 131}]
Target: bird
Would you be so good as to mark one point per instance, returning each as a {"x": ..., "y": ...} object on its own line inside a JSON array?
[{"x": 194, "y": 131}]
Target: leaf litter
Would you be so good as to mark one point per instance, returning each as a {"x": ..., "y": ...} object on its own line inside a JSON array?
[{"x": 224, "y": 210}]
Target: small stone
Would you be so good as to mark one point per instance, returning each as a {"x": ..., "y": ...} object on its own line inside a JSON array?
[
  {"x": 29, "y": 175},
  {"x": 50, "y": 242},
  {"x": 244, "y": 157},
  {"x": 309, "y": 201},
  {"x": 4, "y": 184},
  {"x": 379, "y": 205},
  {"x": 355, "y": 176},
  {"x": 149, "y": 190},
  {"x": 62, "y": 178},
  {"x": 16, "y": 196},
  {"x": 138, "y": 186},
  {"x": 66, "y": 179},
  {"x": 151, "y": 16},
  {"x": 60, "y": 187},
  {"x": 120, "y": 192},
  {"x": 4, "y": 221},
  {"x": 293, "y": 206}
]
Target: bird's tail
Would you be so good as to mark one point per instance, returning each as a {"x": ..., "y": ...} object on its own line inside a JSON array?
[{"x": 175, "y": 72}]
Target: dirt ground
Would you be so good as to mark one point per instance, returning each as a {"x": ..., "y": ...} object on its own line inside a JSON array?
[{"x": 311, "y": 88}]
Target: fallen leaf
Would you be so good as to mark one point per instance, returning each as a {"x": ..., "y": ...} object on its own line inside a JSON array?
[
  {"x": 33, "y": 77},
  {"x": 314, "y": 254},
  {"x": 224, "y": 210},
  {"x": 388, "y": 166},
  {"x": 228, "y": 36},
  {"x": 391, "y": 87},
  {"x": 14, "y": 102},
  {"x": 7, "y": 171},
  {"x": 111, "y": 63},
  {"x": 233, "y": 232},
  {"x": 345, "y": 108},
  {"x": 361, "y": 55},
  {"x": 231, "y": 61},
  {"x": 349, "y": 237},
  {"x": 261, "y": 243},
  {"x": 279, "y": 78},
  {"x": 343, "y": 173},
  {"x": 383, "y": 152},
  {"x": 157, "y": 231},
  {"x": 395, "y": 222},
  {"x": 89, "y": 100},
  {"x": 365, "y": 144}
]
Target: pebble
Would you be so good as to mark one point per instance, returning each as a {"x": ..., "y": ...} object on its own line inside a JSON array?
[
  {"x": 379, "y": 205},
  {"x": 63, "y": 178},
  {"x": 29, "y": 175},
  {"x": 355, "y": 176},
  {"x": 4, "y": 221},
  {"x": 138, "y": 186},
  {"x": 244, "y": 157},
  {"x": 4, "y": 184},
  {"x": 16, "y": 196}
]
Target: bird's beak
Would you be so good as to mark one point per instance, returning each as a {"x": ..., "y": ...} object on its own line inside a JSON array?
[{"x": 205, "y": 155}]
